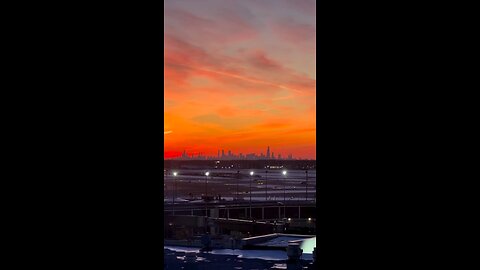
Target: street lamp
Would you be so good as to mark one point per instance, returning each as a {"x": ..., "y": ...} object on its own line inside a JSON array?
[
  {"x": 306, "y": 185},
  {"x": 238, "y": 179},
  {"x": 266, "y": 190},
  {"x": 251, "y": 179},
  {"x": 165, "y": 176},
  {"x": 165, "y": 173},
  {"x": 284, "y": 194},
  {"x": 174, "y": 190},
  {"x": 206, "y": 192}
]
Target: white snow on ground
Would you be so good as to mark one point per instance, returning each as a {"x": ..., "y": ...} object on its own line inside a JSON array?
[
  {"x": 271, "y": 255},
  {"x": 177, "y": 200},
  {"x": 246, "y": 199},
  {"x": 280, "y": 241},
  {"x": 182, "y": 249},
  {"x": 281, "y": 191},
  {"x": 271, "y": 198},
  {"x": 279, "y": 266},
  {"x": 246, "y": 254}
]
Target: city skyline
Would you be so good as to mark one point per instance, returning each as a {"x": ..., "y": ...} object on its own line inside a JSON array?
[
  {"x": 240, "y": 75},
  {"x": 229, "y": 155}
]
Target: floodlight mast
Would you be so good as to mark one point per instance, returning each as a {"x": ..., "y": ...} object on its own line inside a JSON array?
[
  {"x": 206, "y": 192},
  {"x": 251, "y": 179},
  {"x": 174, "y": 191},
  {"x": 284, "y": 194}
]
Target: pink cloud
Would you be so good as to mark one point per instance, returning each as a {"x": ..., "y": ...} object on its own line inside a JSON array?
[
  {"x": 224, "y": 28},
  {"x": 301, "y": 36},
  {"x": 260, "y": 60}
]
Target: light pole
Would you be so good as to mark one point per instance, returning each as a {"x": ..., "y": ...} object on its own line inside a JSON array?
[
  {"x": 266, "y": 190},
  {"x": 165, "y": 176},
  {"x": 238, "y": 179},
  {"x": 206, "y": 192},
  {"x": 284, "y": 194},
  {"x": 306, "y": 185},
  {"x": 174, "y": 190},
  {"x": 164, "y": 192},
  {"x": 251, "y": 179}
]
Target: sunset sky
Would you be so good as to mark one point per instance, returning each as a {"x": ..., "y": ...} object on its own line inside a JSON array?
[{"x": 240, "y": 75}]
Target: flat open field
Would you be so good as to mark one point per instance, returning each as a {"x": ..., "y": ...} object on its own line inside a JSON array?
[{"x": 191, "y": 184}]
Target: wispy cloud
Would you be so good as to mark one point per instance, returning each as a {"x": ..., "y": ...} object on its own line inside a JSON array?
[{"x": 238, "y": 75}]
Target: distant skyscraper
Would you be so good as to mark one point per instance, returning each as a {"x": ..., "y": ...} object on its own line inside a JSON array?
[
  {"x": 223, "y": 153},
  {"x": 218, "y": 155},
  {"x": 273, "y": 155},
  {"x": 268, "y": 151},
  {"x": 279, "y": 156}
]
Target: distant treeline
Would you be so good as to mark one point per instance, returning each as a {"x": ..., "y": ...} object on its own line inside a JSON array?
[{"x": 241, "y": 164}]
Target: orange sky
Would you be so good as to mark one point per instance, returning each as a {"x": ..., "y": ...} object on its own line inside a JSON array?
[{"x": 240, "y": 76}]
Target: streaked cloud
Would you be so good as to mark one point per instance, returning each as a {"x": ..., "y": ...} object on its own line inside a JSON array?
[{"x": 239, "y": 75}]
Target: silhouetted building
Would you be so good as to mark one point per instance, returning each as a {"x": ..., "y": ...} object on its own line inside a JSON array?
[{"x": 232, "y": 156}]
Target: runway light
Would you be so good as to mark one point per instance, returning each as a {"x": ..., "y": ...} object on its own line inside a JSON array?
[
  {"x": 207, "y": 173},
  {"x": 174, "y": 173},
  {"x": 251, "y": 173},
  {"x": 284, "y": 172}
]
